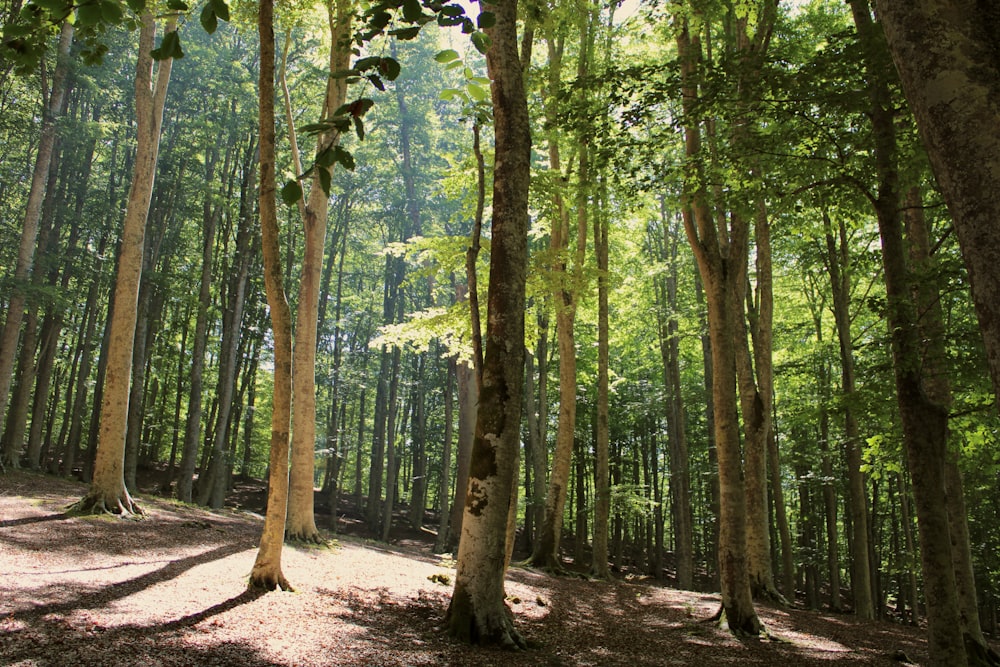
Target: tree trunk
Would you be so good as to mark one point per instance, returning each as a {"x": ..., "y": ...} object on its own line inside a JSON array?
[
  {"x": 107, "y": 490},
  {"x": 477, "y": 612},
  {"x": 444, "y": 480},
  {"x": 192, "y": 430},
  {"x": 602, "y": 476},
  {"x": 924, "y": 418},
  {"x": 719, "y": 253},
  {"x": 840, "y": 280},
  {"x": 266, "y": 573},
  {"x": 945, "y": 51},
  {"x": 29, "y": 230},
  {"x": 301, "y": 523}
]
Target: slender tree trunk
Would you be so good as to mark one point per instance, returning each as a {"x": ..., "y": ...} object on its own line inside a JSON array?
[
  {"x": 477, "y": 612},
  {"x": 933, "y": 334},
  {"x": 29, "y": 230},
  {"x": 444, "y": 480},
  {"x": 602, "y": 476},
  {"x": 840, "y": 279},
  {"x": 266, "y": 573},
  {"x": 301, "y": 518},
  {"x": 107, "y": 490},
  {"x": 192, "y": 430},
  {"x": 719, "y": 253}
]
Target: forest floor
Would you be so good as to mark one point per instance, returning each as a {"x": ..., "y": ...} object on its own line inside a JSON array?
[{"x": 170, "y": 589}]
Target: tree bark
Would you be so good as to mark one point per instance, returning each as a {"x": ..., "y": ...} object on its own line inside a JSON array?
[
  {"x": 945, "y": 52},
  {"x": 477, "y": 612},
  {"x": 29, "y": 231},
  {"x": 266, "y": 573},
  {"x": 108, "y": 492},
  {"x": 719, "y": 252},
  {"x": 924, "y": 418},
  {"x": 301, "y": 524}
]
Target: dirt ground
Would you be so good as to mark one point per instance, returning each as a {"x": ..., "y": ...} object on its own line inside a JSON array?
[{"x": 170, "y": 589}]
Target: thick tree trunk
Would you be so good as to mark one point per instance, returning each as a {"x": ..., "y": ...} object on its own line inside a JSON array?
[
  {"x": 924, "y": 418},
  {"x": 444, "y": 478},
  {"x": 266, "y": 573},
  {"x": 945, "y": 51},
  {"x": 477, "y": 612},
  {"x": 107, "y": 490}
]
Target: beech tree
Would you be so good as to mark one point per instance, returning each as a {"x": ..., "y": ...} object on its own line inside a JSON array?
[
  {"x": 107, "y": 490},
  {"x": 477, "y": 612}
]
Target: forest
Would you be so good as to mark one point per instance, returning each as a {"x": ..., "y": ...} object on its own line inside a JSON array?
[{"x": 698, "y": 290}]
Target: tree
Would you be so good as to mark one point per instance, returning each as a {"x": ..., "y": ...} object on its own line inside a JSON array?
[
  {"x": 29, "y": 229},
  {"x": 266, "y": 573},
  {"x": 477, "y": 612},
  {"x": 301, "y": 522},
  {"x": 107, "y": 490},
  {"x": 720, "y": 249},
  {"x": 945, "y": 52}
]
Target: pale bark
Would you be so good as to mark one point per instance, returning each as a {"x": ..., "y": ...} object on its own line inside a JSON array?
[
  {"x": 477, "y": 612},
  {"x": 566, "y": 297},
  {"x": 107, "y": 490},
  {"x": 301, "y": 522},
  {"x": 755, "y": 379},
  {"x": 266, "y": 573},
  {"x": 444, "y": 479},
  {"x": 29, "y": 231},
  {"x": 719, "y": 252}
]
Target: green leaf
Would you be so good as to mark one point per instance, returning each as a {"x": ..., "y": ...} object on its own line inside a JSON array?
[
  {"x": 111, "y": 11},
  {"x": 486, "y": 20},
  {"x": 170, "y": 47},
  {"x": 177, "y": 5},
  {"x": 221, "y": 8},
  {"x": 389, "y": 68},
  {"x": 448, "y": 21},
  {"x": 366, "y": 63},
  {"x": 54, "y": 7},
  {"x": 291, "y": 193},
  {"x": 476, "y": 92},
  {"x": 481, "y": 41},
  {"x": 405, "y": 33},
  {"x": 447, "y": 56},
  {"x": 412, "y": 10},
  {"x": 377, "y": 82},
  {"x": 325, "y": 178},
  {"x": 344, "y": 157},
  {"x": 448, "y": 94},
  {"x": 326, "y": 158},
  {"x": 359, "y": 128},
  {"x": 453, "y": 10},
  {"x": 88, "y": 15},
  {"x": 208, "y": 19},
  {"x": 137, "y": 6},
  {"x": 357, "y": 108},
  {"x": 468, "y": 27}
]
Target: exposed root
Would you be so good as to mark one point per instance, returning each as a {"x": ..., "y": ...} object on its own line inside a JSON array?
[
  {"x": 268, "y": 581},
  {"x": 979, "y": 654},
  {"x": 305, "y": 537},
  {"x": 122, "y": 505}
]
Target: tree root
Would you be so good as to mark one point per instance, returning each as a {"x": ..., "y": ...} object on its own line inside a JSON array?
[
  {"x": 269, "y": 581},
  {"x": 98, "y": 503}
]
